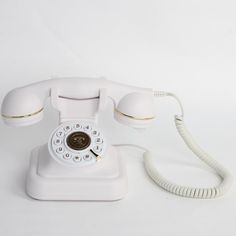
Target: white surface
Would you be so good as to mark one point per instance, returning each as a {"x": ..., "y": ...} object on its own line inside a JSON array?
[{"x": 187, "y": 47}]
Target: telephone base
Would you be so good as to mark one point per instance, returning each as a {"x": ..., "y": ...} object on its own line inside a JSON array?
[{"x": 104, "y": 181}]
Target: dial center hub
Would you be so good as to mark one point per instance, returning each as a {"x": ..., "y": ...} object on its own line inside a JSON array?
[{"x": 78, "y": 140}]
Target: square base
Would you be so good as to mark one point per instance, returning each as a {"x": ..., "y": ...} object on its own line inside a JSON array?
[{"x": 103, "y": 181}]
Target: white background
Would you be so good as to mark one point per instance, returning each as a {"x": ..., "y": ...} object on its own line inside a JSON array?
[{"x": 187, "y": 47}]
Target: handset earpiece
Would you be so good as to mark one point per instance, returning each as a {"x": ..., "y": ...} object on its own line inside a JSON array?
[
  {"x": 136, "y": 109},
  {"x": 22, "y": 107}
]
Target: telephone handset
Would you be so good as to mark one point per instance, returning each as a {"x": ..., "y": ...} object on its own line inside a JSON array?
[{"x": 79, "y": 163}]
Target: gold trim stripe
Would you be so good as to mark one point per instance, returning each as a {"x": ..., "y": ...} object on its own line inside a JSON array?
[
  {"x": 133, "y": 117},
  {"x": 23, "y": 116}
]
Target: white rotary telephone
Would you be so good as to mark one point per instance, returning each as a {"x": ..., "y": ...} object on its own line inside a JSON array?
[{"x": 78, "y": 162}]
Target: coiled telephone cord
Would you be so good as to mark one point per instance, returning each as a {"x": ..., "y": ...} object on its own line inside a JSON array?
[{"x": 185, "y": 191}]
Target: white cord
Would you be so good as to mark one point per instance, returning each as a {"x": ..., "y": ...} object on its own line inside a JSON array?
[
  {"x": 180, "y": 190},
  {"x": 213, "y": 192},
  {"x": 164, "y": 94}
]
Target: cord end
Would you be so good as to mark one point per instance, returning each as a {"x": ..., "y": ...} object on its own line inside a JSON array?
[{"x": 179, "y": 117}]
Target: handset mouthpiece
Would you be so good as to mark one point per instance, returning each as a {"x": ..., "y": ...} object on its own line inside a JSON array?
[{"x": 21, "y": 107}]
